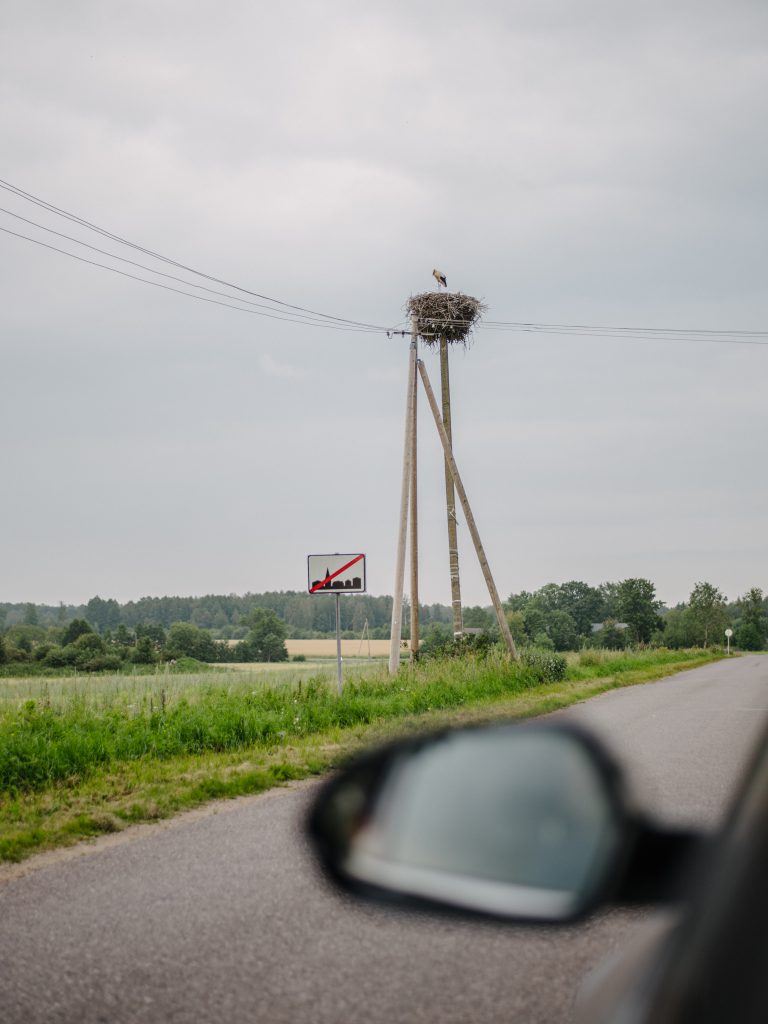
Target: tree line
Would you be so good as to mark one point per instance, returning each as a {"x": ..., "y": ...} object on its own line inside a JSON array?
[
  {"x": 79, "y": 647},
  {"x": 306, "y": 616},
  {"x": 105, "y": 635}
]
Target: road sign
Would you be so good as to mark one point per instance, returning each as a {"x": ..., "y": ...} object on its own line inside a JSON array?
[
  {"x": 336, "y": 574},
  {"x": 729, "y": 633}
]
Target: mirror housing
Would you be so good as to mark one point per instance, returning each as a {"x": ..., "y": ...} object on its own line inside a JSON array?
[{"x": 524, "y": 822}]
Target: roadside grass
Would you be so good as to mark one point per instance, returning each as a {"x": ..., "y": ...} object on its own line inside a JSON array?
[{"x": 80, "y": 760}]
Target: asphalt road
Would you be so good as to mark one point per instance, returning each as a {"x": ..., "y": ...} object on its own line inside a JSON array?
[{"x": 221, "y": 916}]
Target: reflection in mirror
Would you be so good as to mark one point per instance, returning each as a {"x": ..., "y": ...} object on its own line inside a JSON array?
[{"x": 511, "y": 820}]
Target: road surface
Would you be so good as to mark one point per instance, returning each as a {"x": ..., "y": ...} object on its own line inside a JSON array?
[{"x": 221, "y": 917}]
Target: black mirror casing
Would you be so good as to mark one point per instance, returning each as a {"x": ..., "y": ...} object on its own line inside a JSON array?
[{"x": 539, "y": 829}]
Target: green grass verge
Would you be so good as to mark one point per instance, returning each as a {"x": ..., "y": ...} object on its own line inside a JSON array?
[{"x": 90, "y": 763}]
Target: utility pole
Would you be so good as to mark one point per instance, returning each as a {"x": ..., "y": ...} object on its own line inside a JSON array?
[
  {"x": 414, "y": 512},
  {"x": 450, "y": 496},
  {"x": 397, "y": 597}
]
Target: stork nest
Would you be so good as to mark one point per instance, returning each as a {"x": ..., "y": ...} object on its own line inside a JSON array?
[{"x": 445, "y": 316}]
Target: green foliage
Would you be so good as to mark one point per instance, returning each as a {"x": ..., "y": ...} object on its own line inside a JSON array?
[
  {"x": 546, "y": 666},
  {"x": 144, "y": 652},
  {"x": 184, "y": 639},
  {"x": 637, "y": 606},
  {"x": 439, "y": 642},
  {"x": 556, "y": 617},
  {"x": 76, "y": 628},
  {"x": 707, "y": 613},
  {"x": 266, "y": 638},
  {"x": 611, "y": 636},
  {"x": 30, "y": 615},
  {"x": 152, "y": 632},
  {"x": 752, "y": 630},
  {"x": 53, "y": 744},
  {"x": 680, "y": 629},
  {"x": 103, "y": 615}
]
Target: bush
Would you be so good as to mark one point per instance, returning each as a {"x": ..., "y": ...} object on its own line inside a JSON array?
[
  {"x": 478, "y": 645},
  {"x": 547, "y": 666},
  {"x": 57, "y": 657}
]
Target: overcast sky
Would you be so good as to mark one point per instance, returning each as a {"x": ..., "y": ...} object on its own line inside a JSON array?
[{"x": 568, "y": 162}]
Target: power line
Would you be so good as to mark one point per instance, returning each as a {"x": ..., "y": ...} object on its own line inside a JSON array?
[
  {"x": 280, "y": 310},
  {"x": 200, "y": 298},
  {"x": 142, "y": 266},
  {"x": 58, "y": 211}
]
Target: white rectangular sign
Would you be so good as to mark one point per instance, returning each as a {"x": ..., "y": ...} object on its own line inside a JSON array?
[{"x": 336, "y": 574}]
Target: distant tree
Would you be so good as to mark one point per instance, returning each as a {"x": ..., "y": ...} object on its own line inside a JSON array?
[
  {"x": 152, "y": 632},
  {"x": 679, "y": 628},
  {"x": 186, "y": 640},
  {"x": 475, "y": 617},
  {"x": 30, "y": 615},
  {"x": 544, "y": 641},
  {"x": 436, "y": 638},
  {"x": 102, "y": 614},
  {"x": 144, "y": 653},
  {"x": 519, "y": 602},
  {"x": 610, "y": 636},
  {"x": 636, "y": 604},
  {"x": 535, "y": 619},
  {"x": 76, "y": 628},
  {"x": 561, "y": 630},
  {"x": 3, "y": 653},
  {"x": 707, "y": 611},
  {"x": 583, "y": 603},
  {"x": 266, "y": 636},
  {"x": 752, "y": 630},
  {"x": 516, "y": 622},
  {"x": 610, "y": 595},
  {"x": 123, "y": 637}
]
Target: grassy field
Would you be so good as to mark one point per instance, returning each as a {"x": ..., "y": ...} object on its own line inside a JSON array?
[{"x": 80, "y": 757}]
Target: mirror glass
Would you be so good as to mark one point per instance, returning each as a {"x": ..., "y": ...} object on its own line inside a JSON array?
[{"x": 515, "y": 820}]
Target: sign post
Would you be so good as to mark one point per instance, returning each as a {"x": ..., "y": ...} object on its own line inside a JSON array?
[
  {"x": 728, "y": 635},
  {"x": 336, "y": 574}
]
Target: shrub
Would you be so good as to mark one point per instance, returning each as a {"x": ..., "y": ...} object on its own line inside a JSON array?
[{"x": 547, "y": 666}]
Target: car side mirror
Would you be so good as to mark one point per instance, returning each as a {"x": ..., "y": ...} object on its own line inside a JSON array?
[{"x": 524, "y": 822}]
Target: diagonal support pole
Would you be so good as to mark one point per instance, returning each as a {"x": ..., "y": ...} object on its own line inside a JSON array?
[{"x": 451, "y": 462}]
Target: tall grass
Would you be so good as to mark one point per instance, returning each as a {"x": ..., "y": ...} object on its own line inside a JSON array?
[{"x": 64, "y": 733}]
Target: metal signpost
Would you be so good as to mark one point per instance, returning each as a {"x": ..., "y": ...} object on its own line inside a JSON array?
[
  {"x": 728, "y": 635},
  {"x": 336, "y": 574}
]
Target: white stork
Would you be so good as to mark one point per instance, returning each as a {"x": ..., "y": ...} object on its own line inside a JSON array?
[{"x": 439, "y": 276}]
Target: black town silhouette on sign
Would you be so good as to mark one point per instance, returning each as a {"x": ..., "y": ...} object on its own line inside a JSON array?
[{"x": 355, "y": 583}]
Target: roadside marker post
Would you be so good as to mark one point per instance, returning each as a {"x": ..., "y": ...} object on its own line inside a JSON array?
[{"x": 336, "y": 574}]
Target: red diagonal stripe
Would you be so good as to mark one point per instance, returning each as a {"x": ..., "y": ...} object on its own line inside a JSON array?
[{"x": 321, "y": 584}]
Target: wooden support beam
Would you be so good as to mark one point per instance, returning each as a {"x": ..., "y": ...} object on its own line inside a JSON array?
[{"x": 494, "y": 594}]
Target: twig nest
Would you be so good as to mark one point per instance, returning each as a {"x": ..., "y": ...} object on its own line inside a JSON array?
[{"x": 445, "y": 316}]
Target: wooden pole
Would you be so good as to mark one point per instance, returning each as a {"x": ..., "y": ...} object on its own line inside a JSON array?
[
  {"x": 414, "y": 506},
  {"x": 450, "y": 496},
  {"x": 494, "y": 594},
  {"x": 397, "y": 598}
]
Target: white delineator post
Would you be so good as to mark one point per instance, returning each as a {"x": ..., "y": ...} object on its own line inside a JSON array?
[
  {"x": 494, "y": 594},
  {"x": 397, "y": 598}
]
